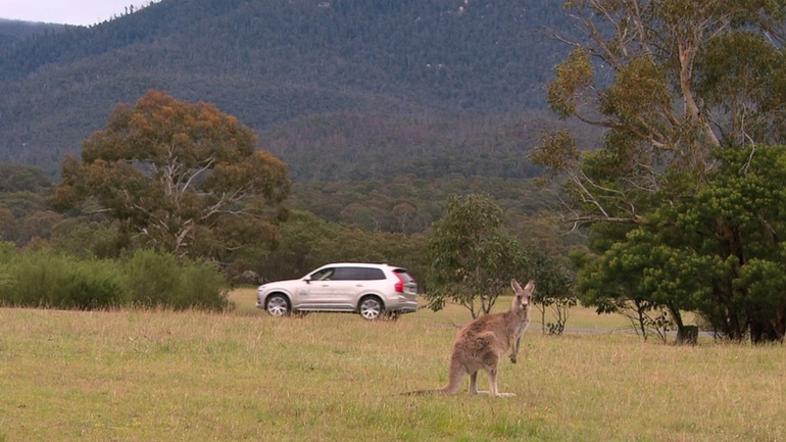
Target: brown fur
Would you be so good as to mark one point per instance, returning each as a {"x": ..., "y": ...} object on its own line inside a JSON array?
[{"x": 483, "y": 342}]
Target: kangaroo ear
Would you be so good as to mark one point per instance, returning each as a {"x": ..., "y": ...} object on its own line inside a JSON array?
[
  {"x": 515, "y": 286},
  {"x": 530, "y": 287}
]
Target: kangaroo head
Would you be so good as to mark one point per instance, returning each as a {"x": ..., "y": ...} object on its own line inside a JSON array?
[{"x": 523, "y": 295}]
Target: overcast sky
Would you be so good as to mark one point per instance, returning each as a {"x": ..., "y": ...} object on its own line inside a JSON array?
[{"x": 75, "y": 12}]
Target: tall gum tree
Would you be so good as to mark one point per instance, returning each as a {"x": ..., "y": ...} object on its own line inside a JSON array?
[
  {"x": 179, "y": 176},
  {"x": 675, "y": 83},
  {"x": 670, "y": 80}
]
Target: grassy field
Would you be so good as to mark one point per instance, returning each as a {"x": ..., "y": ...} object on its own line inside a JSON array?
[{"x": 241, "y": 375}]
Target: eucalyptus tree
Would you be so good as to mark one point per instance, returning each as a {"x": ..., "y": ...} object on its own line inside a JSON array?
[
  {"x": 680, "y": 86},
  {"x": 473, "y": 258},
  {"x": 179, "y": 176}
]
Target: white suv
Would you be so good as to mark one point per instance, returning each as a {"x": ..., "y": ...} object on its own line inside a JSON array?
[{"x": 372, "y": 290}]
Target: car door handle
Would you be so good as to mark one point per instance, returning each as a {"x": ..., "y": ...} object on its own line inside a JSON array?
[
  {"x": 325, "y": 285},
  {"x": 359, "y": 285}
]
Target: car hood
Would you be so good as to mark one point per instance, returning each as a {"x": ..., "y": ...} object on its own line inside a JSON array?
[{"x": 291, "y": 283}]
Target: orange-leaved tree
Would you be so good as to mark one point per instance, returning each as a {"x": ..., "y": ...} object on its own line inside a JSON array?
[{"x": 181, "y": 177}]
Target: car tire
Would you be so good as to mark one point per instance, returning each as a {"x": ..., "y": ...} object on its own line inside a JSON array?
[
  {"x": 278, "y": 305},
  {"x": 371, "y": 308}
]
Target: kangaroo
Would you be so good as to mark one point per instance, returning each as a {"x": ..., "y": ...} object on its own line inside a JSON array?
[{"x": 481, "y": 343}]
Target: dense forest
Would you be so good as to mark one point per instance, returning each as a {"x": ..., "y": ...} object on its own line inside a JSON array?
[
  {"x": 15, "y": 30},
  {"x": 430, "y": 88}
]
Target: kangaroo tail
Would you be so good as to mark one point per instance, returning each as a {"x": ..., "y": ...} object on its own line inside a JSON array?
[
  {"x": 423, "y": 392},
  {"x": 457, "y": 372},
  {"x": 455, "y": 375}
]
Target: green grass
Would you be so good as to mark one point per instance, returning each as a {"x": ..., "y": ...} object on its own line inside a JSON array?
[{"x": 160, "y": 375}]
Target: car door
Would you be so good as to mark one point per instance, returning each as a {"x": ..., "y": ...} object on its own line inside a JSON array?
[
  {"x": 318, "y": 291},
  {"x": 347, "y": 285}
]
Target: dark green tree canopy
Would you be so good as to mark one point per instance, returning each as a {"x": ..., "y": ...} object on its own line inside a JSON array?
[
  {"x": 721, "y": 253},
  {"x": 680, "y": 196},
  {"x": 473, "y": 257}
]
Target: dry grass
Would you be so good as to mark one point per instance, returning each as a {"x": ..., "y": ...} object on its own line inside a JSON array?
[{"x": 242, "y": 375}]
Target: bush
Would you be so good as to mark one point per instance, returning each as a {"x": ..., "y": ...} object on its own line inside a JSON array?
[
  {"x": 43, "y": 279},
  {"x": 148, "y": 279},
  {"x": 159, "y": 279}
]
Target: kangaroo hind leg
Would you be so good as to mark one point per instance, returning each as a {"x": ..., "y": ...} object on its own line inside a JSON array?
[
  {"x": 493, "y": 388},
  {"x": 473, "y": 383}
]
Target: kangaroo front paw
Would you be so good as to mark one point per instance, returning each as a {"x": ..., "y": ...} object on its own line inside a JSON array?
[{"x": 513, "y": 358}]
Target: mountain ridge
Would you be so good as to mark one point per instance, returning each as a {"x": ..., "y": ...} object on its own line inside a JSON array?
[{"x": 445, "y": 65}]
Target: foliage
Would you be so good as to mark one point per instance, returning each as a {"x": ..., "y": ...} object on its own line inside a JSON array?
[
  {"x": 308, "y": 242},
  {"x": 407, "y": 204},
  {"x": 85, "y": 237},
  {"x": 43, "y": 279},
  {"x": 409, "y": 87},
  {"x": 154, "y": 279},
  {"x": 183, "y": 177},
  {"x": 25, "y": 214},
  {"x": 473, "y": 258},
  {"x": 17, "y": 30},
  {"x": 48, "y": 279},
  {"x": 681, "y": 87},
  {"x": 720, "y": 253},
  {"x": 675, "y": 81},
  {"x": 554, "y": 289},
  {"x": 21, "y": 178}
]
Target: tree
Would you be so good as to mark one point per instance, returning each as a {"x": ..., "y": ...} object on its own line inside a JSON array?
[
  {"x": 554, "y": 289},
  {"x": 643, "y": 278},
  {"x": 473, "y": 257},
  {"x": 720, "y": 253},
  {"x": 687, "y": 77},
  {"x": 675, "y": 83},
  {"x": 181, "y": 177},
  {"x": 7, "y": 224}
]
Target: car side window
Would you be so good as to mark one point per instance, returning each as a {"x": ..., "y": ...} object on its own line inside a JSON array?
[
  {"x": 323, "y": 275},
  {"x": 345, "y": 274},
  {"x": 373, "y": 275},
  {"x": 358, "y": 274}
]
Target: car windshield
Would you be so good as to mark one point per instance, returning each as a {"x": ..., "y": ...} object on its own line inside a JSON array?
[{"x": 322, "y": 275}]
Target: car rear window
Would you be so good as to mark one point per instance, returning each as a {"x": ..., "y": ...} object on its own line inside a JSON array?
[{"x": 358, "y": 274}]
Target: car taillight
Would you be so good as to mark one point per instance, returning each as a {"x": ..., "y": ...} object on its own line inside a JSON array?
[{"x": 400, "y": 284}]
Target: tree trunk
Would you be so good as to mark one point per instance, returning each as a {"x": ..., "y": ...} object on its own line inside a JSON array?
[
  {"x": 642, "y": 317},
  {"x": 763, "y": 331},
  {"x": 687, "y": 335}
]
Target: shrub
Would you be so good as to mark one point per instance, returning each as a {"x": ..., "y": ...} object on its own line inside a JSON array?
[
  {"x": 45, "y": 279},
  {"x": 160, "y": 279},
  {"x": 148, "y": 279}
]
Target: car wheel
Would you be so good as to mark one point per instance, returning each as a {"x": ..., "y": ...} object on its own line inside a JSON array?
[
  {"x": 277, "y": 305},
  {"x": 370, "y": 308}
]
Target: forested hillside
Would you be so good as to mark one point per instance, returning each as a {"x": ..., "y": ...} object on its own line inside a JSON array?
[
  {"x": 341, "y": 90},
  {"x": 14, "y": 30}
]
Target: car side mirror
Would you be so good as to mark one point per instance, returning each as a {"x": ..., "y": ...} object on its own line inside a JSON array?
[{"x": 308, "y": 280}]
